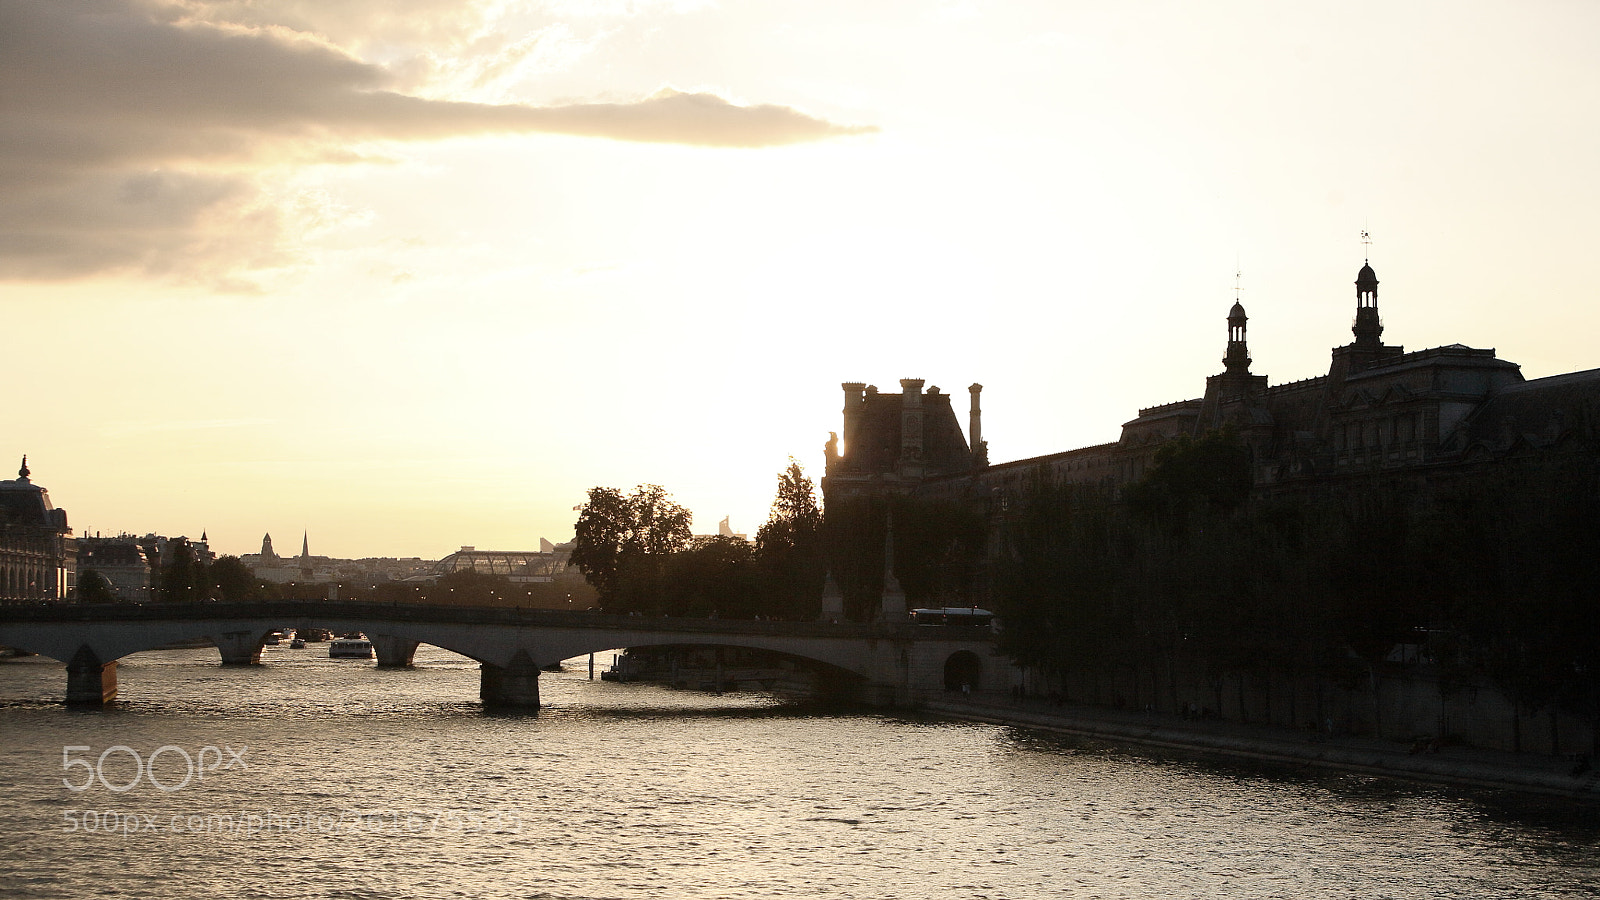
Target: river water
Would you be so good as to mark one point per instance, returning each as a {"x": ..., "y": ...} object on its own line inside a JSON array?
[{"x": 333, "y": 779}]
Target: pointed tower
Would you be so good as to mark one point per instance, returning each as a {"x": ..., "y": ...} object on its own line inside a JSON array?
[
  {"x": 1234, "y": 396},
  {"x": 266, "y": 548},
  {"x": 1368, "y": 328},
  {"x": 305, "y": 545},
  {"x": 1236, "y": 361},
  {"x": 1368, "y": 349}
]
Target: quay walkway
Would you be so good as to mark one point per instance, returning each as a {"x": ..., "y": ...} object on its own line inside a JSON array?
[{"x": 1561, "y": 776}]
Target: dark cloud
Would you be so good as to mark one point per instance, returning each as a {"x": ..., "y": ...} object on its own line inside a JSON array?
[{"x": 126, "y": 129}]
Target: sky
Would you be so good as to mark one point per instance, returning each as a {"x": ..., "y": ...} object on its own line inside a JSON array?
[{"x": 408, "y": 275}]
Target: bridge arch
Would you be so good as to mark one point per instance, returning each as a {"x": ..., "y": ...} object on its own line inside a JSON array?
[
  {"x": 831, "y": 679},
  {"x": 894, "y": 664},
  {"x": 963, "y": 670}
]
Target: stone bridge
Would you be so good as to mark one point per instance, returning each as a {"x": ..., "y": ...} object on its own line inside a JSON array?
[{"x": 886, "y": 664}]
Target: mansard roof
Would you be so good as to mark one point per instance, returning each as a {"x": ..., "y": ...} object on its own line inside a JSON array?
[
  {"x": 1538, "y": 413},
  {"x": 24, "y": 503},
  {"x": 876, "y": 444}
]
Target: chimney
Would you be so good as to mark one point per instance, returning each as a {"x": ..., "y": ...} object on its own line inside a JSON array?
[
  {"x": 854, "y": 398},
  {"x": 910, "y": 419},
  {"x": 980, "y": 450}
]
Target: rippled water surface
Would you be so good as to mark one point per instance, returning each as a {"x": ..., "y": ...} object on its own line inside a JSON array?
[{"x": 332, "y": 778}]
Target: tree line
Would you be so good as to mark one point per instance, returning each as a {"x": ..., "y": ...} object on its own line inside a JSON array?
[
  {"x": 638, "y": 552},
  {"x": 1488, "y": 572}
]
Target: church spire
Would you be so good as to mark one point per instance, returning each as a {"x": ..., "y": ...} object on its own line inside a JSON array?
[{"x": 305, "y": 545}]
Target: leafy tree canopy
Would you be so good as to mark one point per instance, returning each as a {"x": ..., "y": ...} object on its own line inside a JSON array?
[
  {"x": 617, "y": 532},
  {"x": 94, "y": 588}
]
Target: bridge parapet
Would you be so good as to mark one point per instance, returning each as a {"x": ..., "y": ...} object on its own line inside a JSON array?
[{"x": 892, "y": 662}]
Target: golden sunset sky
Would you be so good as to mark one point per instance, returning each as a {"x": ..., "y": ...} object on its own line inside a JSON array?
[{"x": 413, "y": 274}]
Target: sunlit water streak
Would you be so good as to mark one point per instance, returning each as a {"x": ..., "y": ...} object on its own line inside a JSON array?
[{"x": 397, "y": 784}]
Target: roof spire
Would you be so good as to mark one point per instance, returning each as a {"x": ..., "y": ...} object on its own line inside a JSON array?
[
  {"x": 1368, "y": 329},
  {"x": 23, "y": 473}
]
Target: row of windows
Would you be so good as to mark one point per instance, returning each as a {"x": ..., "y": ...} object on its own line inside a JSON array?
[
  {"x": 490, "y": 563},
  {"x": 1400, "y": 429}
]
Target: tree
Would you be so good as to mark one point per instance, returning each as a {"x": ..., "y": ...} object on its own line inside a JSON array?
[
  {"x": 624, "y": 538},
  {"x": 234, "y": 580},
  {"x": 94, "y": 588},
  {"x": 465, "y": 587},
  {"x": 183, "y": 575},
  {"x": 938, "y": 550},
  {"x": 1193, "y": 475},
  {"x": 715, "y": 577},
  {"x": 789, "y": 547}
]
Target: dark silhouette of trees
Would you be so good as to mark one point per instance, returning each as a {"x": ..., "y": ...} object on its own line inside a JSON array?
[
  {"x": 94, "y": 588},
  {"x": 468, "y": 588},
  {"x": 939, "y": 547},
  {"x": 622, "y": 541},
  {"x": 715, "y": 577},
  {"x": 853, "y": 535},
  {"x": 1481, "y": 573},
  {"x": 233, "y": 580},
  {"x": 789, "y": 549},
  {"x": 183, "y": 574},
  {"x": 938, "y": 550}
]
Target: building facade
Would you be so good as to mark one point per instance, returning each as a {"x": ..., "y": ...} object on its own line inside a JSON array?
[
  {"x": 38, "y": 559},
  {"x": 1378, "y": 409},
  {"x": 124, "y": 564}
]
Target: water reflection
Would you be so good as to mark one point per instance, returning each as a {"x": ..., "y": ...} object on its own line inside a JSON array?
[{"x": 635, "y": 790}]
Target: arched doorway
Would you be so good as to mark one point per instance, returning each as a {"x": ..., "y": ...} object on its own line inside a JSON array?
[{"x": 963, "y": 670}]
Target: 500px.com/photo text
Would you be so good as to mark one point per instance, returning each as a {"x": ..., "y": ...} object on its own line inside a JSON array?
[
  {"x": 272, "y": 822},
  {"x": 178, "y": 767}
]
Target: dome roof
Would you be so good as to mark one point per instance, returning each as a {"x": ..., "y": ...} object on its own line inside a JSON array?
[
  {"x": 24, "y": 503},
  {"x": 1237, "y": 312},
  {"x": 1366, "y": 275}
]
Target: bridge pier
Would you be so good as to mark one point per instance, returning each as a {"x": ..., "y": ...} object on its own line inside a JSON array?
[
  {"x": 240, "y": 648},
  {"x": 514, "y": 684},
  {"x": 393, "y": 652},
  {"x": 90, "y": 682}
]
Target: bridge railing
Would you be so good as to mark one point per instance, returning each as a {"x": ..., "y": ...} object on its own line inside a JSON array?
[{"x": 290, "y": 611}]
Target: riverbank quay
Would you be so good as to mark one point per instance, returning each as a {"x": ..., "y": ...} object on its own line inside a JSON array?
[{"x": 1457, "y": 765}]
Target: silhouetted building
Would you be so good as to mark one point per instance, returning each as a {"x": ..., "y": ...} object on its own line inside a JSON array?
[
  {"x": 1377, "y": 410},
  {"x": 893, "y": 442},
  {"x": 38, "y": 560},
  {"x": 304, "y": 569},
  {"x": 122, "y": 562}
]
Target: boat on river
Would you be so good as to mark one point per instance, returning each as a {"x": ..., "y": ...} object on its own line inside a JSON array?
[{"x": 350, "y": 648}]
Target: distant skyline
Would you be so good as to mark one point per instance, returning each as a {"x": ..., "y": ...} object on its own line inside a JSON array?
[{"x": 415, "y": 275}]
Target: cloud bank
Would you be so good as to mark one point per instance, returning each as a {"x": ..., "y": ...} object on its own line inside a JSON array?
[{"x": 135, "y": 137}]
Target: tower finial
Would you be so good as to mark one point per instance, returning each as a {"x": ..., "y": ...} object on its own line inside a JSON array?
[
  {"x": 1366, "y": 241},
  {"x": 23, "y": 472}
]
